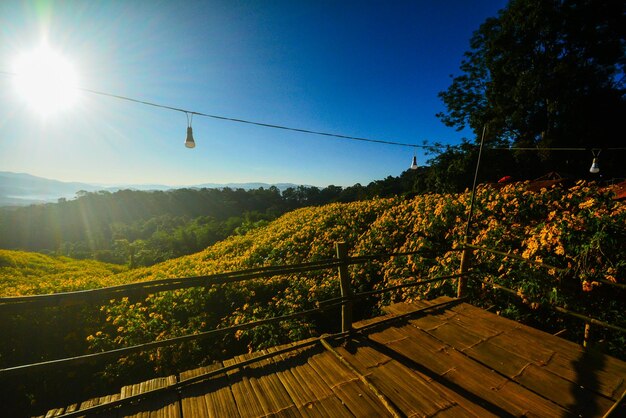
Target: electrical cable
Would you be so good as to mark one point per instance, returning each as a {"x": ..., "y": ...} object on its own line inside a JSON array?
[
  {"x": 553, "y": 149},
  {"x": 249, "y": 122},
  {"x": 267, "y": 125},
  {"x": 301, "y": 130}
]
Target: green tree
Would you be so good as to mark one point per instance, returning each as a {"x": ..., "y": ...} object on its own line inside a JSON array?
[{"x": 548, "y": 74}]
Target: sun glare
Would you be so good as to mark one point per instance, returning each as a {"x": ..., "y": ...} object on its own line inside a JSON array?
[{"x": 45, "y": 80}]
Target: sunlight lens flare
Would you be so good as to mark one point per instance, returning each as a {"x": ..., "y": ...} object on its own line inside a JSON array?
[{"x": 45, "y": 80}]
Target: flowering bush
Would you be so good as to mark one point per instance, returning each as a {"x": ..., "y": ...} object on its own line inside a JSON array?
[{"x": 579, "y": 230}]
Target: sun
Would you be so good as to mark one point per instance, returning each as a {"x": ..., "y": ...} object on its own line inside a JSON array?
[{"x": 45, "y": 80}]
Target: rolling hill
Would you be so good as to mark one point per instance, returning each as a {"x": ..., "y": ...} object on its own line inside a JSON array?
[{"x": 22, "y": 189}]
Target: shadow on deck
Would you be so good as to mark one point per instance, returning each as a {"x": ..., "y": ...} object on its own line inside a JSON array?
[{"x": 452, "y": 361}]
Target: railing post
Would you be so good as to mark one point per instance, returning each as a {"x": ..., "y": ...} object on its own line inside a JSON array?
[
  {"x": 587, "y": 335},
  {"x": 461, "y": 290},
  {"x": 346, "y": 291}
]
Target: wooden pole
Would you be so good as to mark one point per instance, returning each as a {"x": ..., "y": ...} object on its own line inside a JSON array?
[
  {"x": 346, "y": 291},
  {"x": 587, "y": 335},
  {"x": 462, "y": 281}
]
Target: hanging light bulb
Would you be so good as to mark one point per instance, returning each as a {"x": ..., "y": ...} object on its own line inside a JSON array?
[
  {"x": 595, "y": 168},
  {"x": 414, "y": 163},
  {"x": 189, "y": 142}
]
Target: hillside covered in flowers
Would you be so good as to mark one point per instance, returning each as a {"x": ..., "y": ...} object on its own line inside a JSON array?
[
  {"x": 27, "y": 273},
  {"x": 575, "y": 238},
  {"x": 580, "y": 229}
]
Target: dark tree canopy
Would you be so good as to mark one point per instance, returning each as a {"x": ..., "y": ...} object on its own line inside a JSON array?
[{"x": 547, "y": 73}]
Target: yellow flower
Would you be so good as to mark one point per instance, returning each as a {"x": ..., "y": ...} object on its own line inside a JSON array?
[{"x": 587, "y": 204}]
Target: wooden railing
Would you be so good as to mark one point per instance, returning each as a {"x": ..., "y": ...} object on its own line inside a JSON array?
[
  {"x": 13, "y": 305},
  {"x": 10, "y": 305},
  {"x": 462, "y": 288}
]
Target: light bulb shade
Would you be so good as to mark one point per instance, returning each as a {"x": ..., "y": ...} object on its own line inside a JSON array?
[
  {"x": 595, "y": 168},
  {"x": 414, "y": 163},
  {"x": 189, "y": 142}
]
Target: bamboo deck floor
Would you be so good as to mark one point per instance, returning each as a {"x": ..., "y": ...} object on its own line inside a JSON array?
[{"x": 457, "y": 361}]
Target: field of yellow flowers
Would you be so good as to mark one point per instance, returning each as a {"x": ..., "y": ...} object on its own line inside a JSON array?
[
  {"x": 27, "y": 273},
  {"x": 579, "y": 229}
]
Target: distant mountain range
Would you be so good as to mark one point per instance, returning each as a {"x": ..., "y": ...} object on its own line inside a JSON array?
[{"x": 21, "y": 189}]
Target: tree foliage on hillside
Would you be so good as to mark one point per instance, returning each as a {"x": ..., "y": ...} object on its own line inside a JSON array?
[
  {"x": 141, "y": 228},
  {"x": 547, "y": 74}
]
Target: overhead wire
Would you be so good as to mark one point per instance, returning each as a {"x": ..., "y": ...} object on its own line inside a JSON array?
[
  {"x": 264, "y": 124},
  {"x": 245, "y": 121},
  {"x": 309, "y": 131}
]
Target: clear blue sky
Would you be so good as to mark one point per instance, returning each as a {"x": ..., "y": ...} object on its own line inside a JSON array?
[{"x": 361, "y": 68}]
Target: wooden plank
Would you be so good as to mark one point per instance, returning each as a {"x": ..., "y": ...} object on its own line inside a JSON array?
[
  {"x": 354, "y": 396},
  {"x": 88, "y": 403},
  {"x": 587, "y": 370},
  {"x": 406, "y": 307},
  {"x": 299, "y": 392},
  {"x": 71, "y": 408},
  {"x": 399, "y": 308},
  {"x": 329, "y": 407},
  {"x": 255, "y": 386},
  {"x": 471, "y": 317},
  {"x": 607, "y": 367},
  {"x": 212, "y": 398},
  {"x": 367, "y": 358},
  {"x": 533, "y": 352},
  {"x": 484, "y": 323},
  {"x": 456, "y": 411},
  {"x": 428, "y": 319},
  {"x": 330, "y": 370},
  {"x": 457, "y": 336},
  {"x": 505, "y": 361},
  {"x": 455, "y": 361},
  {"x": 98, "y": 401},
  {"x": 265, "y": 398},
  {"x": 359, "y": 400},
  {"x": 464, "y": 381},
  {"x": 192, "y": 398},
  {"x": 54, "y": 412},
  {"x": 154, "y": 407},
  {"x": 433, "y": 320},
  {"x": 604, "y": 374},
  {"x": 324, "y": 401},
  {"x": 270, "y": 387},
  {"x": 308, "y": 381},
  {"x": 534, "y": 405},
  {"x": 564, "y": 393},
  {"x": 368, "y": 321},
  {"x": 514, "y": 366},
  {"x": 245, "y": 396},
  {"x": 407, "y": 390},
  {"x": 471, "y": 314},
  {"x": 496, "y": 358},
  {"x": 561, "y": 357}
]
